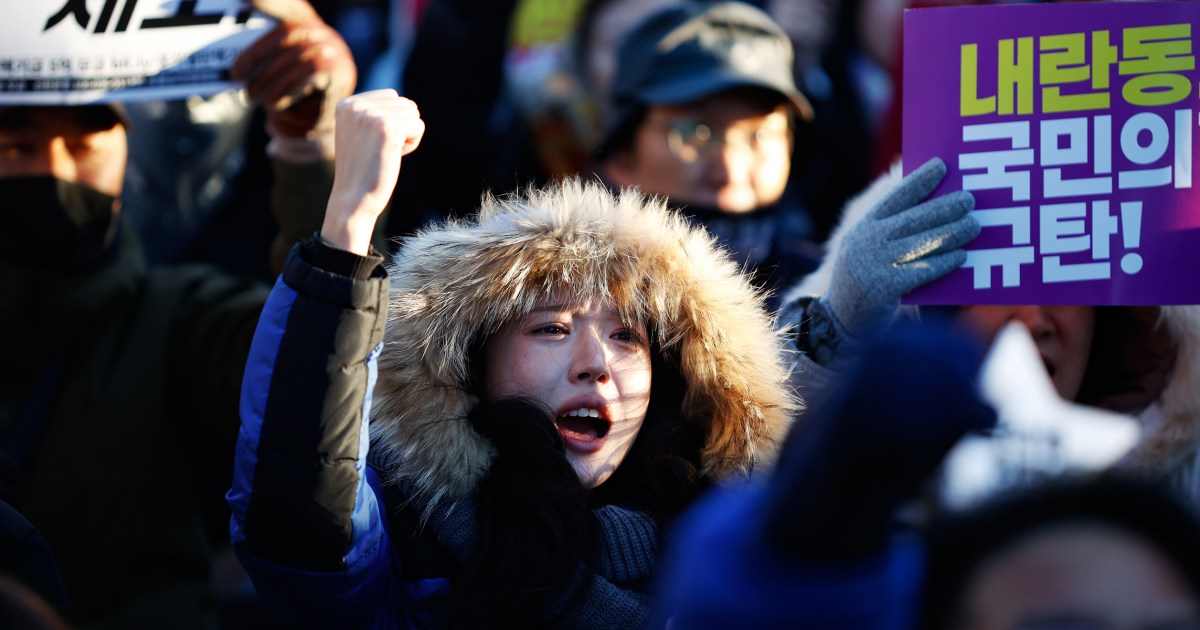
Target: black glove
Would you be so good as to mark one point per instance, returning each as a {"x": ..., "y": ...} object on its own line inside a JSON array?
[{"x": 534, "y": 527}]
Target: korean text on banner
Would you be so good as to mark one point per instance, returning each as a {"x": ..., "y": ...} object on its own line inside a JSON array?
[
  {"x": 79, "y": 51},
  {"x": 1073, "y": 125}
]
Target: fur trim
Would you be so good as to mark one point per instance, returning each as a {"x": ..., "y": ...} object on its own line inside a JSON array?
[
  {"x": 1177, "y": 434},
  {"x": 817, "y": 282},
  {"x": 452, "y": 286},
  {"x": 1174, "y": 437}
]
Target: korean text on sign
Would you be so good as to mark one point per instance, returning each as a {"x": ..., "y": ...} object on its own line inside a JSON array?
[{"x": 1074, "y": 131}]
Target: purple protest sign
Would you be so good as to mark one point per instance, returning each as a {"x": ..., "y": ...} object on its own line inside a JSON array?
[{"x": 1073, "y": 126}]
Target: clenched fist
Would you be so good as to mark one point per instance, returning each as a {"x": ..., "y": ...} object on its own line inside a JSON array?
[{"x": 375, "y": 130}]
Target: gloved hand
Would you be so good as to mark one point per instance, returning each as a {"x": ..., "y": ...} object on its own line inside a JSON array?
[
  {"x": 297, "y": 71},
  {"x": 533, "y": 526},
  {"x": 900, "y": 245}
]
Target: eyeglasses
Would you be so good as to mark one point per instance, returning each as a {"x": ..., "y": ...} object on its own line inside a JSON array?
[{"x": 690, "y": 139}]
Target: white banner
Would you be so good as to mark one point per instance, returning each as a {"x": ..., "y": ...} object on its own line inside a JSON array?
[{"x": 78, "y": 51}]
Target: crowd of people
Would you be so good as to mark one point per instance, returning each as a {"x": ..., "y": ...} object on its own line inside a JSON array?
[{"x": 560, "y": 314}]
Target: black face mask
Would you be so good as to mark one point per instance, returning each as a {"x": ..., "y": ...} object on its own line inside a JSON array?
[{"x": 52, "y": 224}]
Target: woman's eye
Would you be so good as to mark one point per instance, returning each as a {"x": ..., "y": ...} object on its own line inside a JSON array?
[
  {"x": 552, "y": 329},
  {"x": 628, "y": 336}
]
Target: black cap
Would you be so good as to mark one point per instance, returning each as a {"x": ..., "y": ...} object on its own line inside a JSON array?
[
  {"x": 117, "y": 109},
  {"x": 687, "y": 52}
]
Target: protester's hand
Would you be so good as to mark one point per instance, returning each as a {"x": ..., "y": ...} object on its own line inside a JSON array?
[
  {"x": 375, "y": 129},
  {"x": 900, "y": 245},
  {"x": 298, "y": 71}
]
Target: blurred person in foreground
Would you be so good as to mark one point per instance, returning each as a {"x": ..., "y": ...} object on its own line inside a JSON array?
[
  {"x": 818, "y": 543},
  {"x": 846, "y": 532},
  {"x": 1104, "y": 552}
]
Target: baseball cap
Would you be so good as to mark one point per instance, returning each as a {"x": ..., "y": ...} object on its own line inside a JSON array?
[
  {"x": 116, "y": 109},
  {"x": 687, "y": 52}
]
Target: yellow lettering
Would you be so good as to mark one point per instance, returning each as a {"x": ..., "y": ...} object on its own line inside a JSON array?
[
  {"x": 1063, "y": 59},
  {"x": 1015, "y": 76},
  {"x": 1166, "y": 48},
  {"x": 1156, "y": 89},
  {"x": 969, "y": 102},
  {"x": 1104, "y": 55}
]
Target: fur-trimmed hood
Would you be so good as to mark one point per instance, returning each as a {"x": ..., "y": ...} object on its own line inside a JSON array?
[
  {"x": 1145, "y": 360},
  {"x": 453, "y": 285}
]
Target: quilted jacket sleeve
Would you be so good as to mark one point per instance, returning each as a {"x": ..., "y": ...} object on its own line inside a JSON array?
[{"x": 306, "y": 518}]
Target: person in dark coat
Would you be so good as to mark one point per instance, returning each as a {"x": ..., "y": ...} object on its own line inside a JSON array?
[{"x": 119, "y": 382}]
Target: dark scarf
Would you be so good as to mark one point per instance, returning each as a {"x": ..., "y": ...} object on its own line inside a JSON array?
[
  {"x": 613, "y": 597},
  {"x": 772, "y": 242}
]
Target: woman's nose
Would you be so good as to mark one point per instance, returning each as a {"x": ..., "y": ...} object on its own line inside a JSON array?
[{"x": 591, "y": 361}]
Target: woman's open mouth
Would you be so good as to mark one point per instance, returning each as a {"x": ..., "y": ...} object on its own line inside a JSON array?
[
  {"x": 1051, "y": 366},
  {"x": 583, "y": 430}
]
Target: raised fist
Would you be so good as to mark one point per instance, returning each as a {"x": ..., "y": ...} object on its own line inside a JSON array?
[{"x": 374, "y": 130}]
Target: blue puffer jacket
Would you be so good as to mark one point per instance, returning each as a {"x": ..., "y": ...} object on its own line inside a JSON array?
[{"x": 307, "y": 522}]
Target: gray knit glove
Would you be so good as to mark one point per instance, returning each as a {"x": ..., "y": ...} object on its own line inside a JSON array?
[{"x": 900, "y": 245}]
